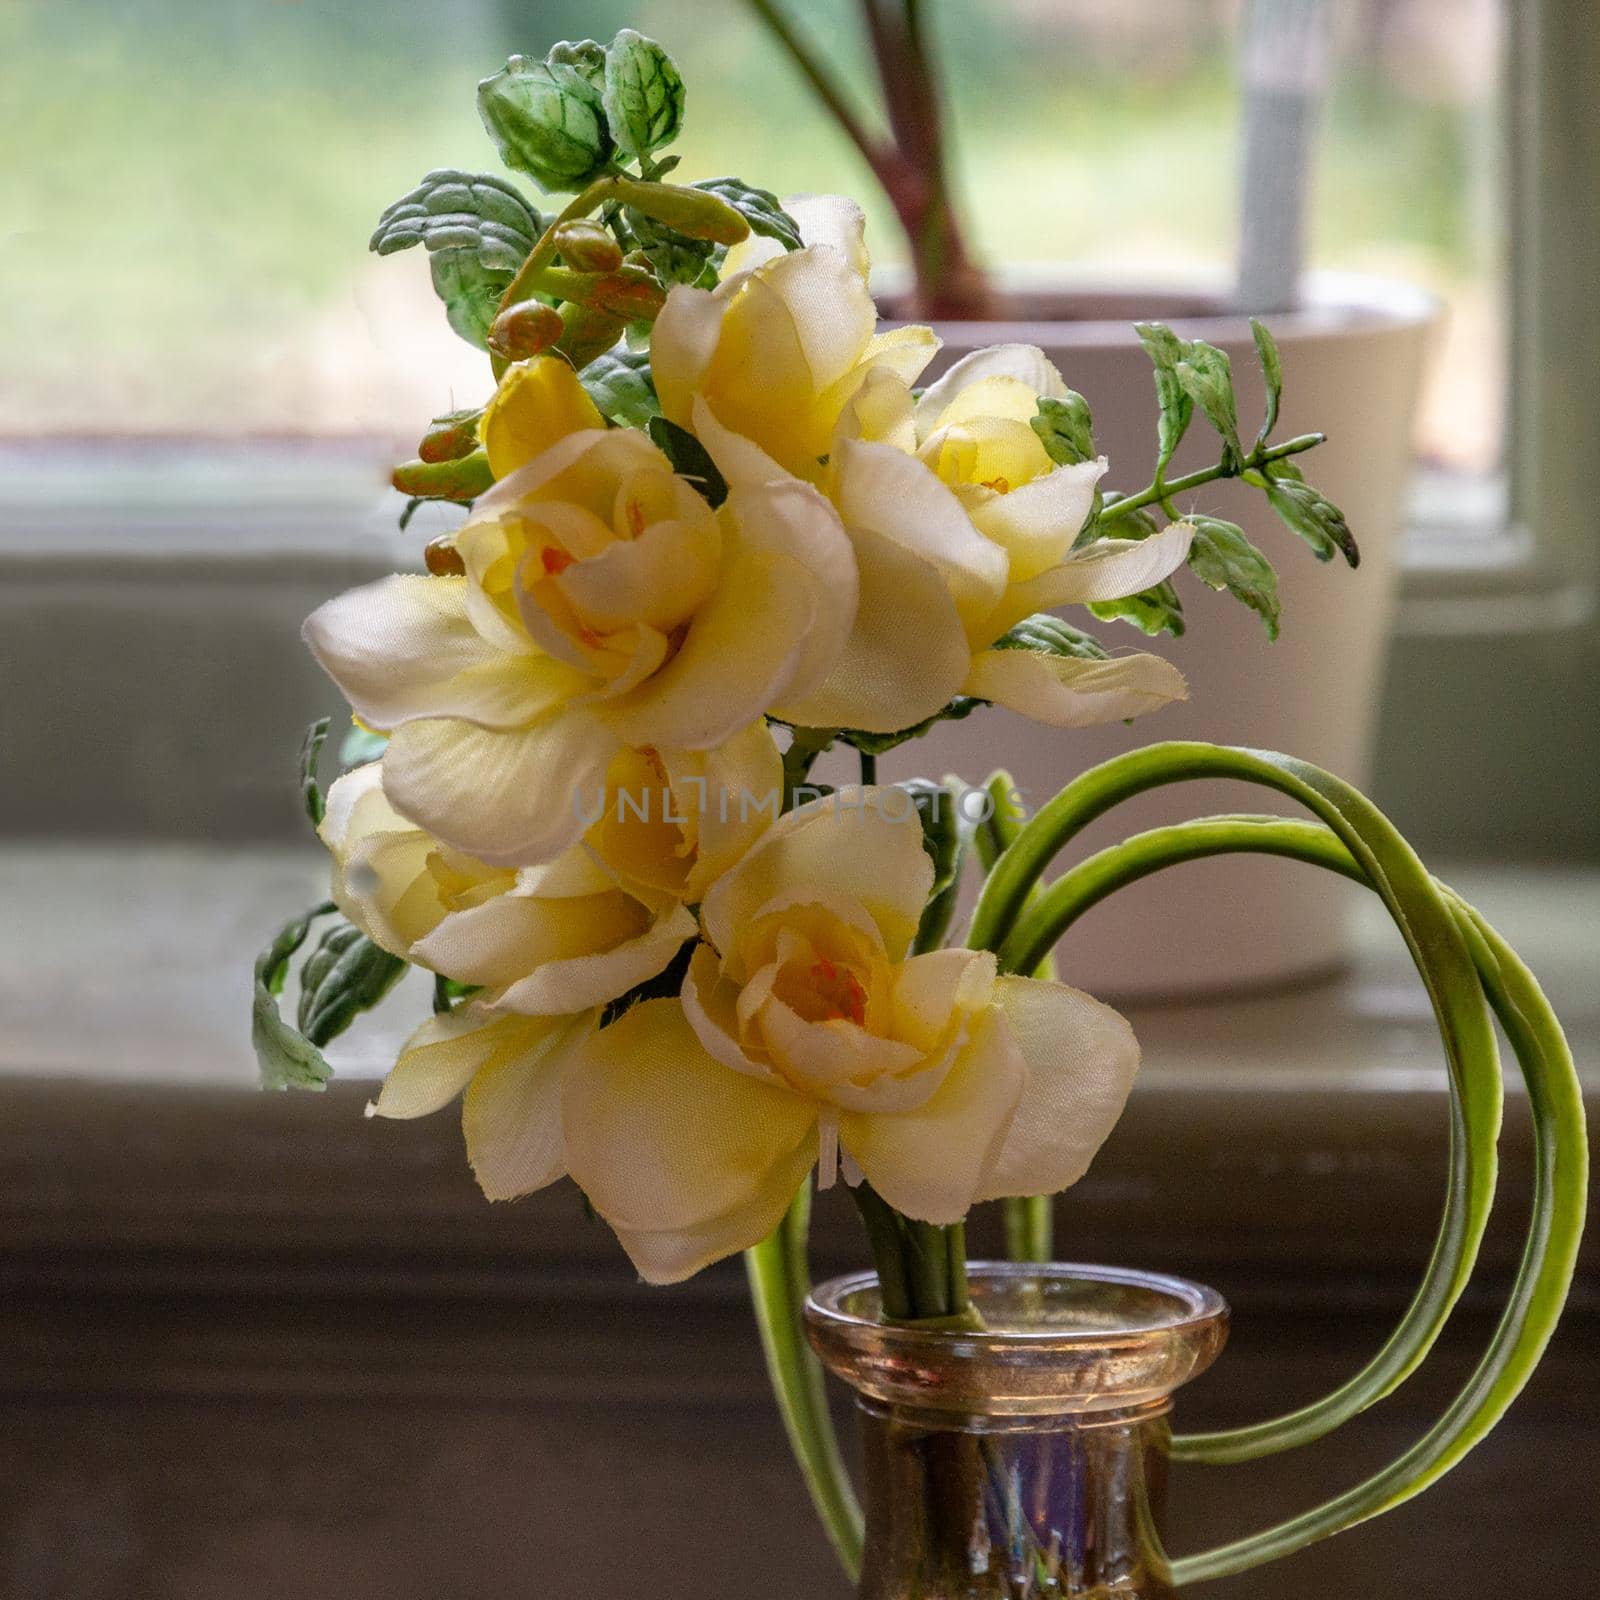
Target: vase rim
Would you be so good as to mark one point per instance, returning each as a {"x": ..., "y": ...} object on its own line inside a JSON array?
[{"x": 1062, "y": 1338}]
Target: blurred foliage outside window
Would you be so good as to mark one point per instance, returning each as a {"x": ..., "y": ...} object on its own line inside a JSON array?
[{"x": 189, "y": 188}]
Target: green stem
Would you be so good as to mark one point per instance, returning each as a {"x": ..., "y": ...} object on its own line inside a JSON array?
[
  {"x": 869, "y": 767},
  {"x": 779, "y": 1283},
  {"x": 1160, "y": 490},
  {"x": 1030, "y": 1228}
]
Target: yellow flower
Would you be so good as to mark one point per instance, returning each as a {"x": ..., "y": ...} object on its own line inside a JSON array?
[
  {"x": 552, "y": 944},
  {"x": 960, "y": 521},
  {"x": 778, "y": 349},
  {"x": 553, "y": 939},
  {"x": 805, "y": 1029},
  {"x": 603, "y": 604}
]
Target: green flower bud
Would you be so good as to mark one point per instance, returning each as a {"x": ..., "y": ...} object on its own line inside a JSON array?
[
  {"x": 696, "y": 213},
  {"x": 644, "y": 94},
  {"x": 546, "y": 119},
  {"x": 465, "y": 478}
]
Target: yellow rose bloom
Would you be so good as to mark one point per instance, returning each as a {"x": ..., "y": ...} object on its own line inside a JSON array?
[
  {"x": 807, "y": 1031},
  {"x": 604, "y": 604}
]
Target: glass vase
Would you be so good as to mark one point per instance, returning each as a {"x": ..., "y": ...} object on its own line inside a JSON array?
[{"x": 1027, "y": 1459}]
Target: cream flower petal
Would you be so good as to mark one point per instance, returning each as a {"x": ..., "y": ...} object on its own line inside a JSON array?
[
  {"x": 1037, "y": 521},
  {"x": 929, "y": 1162},
  {"x": 511, "y": 1115},
  {"x": 710, "y": 1006},
  {"x": 826, "y": 298},
  {"x": 506, "y": 798},
  {"x": 880, "y": 411},
  {"x": 740, "y": 462},
  {"x": 881, "y": 488},
  {"x": 664, "y": 1256},
  {"x": 403, "y": 647},
  {"x": 814, "y": 1056},
  {"x": 1082, "y": 1059},
  {"x": 512, "y": 935},
  {"x": 1105, "y": 570},
  {"x": 658, "y": 578},
  {"x": 906, "y": 656},
  {"x": 741, "y": 778},
  {"x": 663, "y": 1139},
  {"x": 830, "y": 219},
  {"x": 856, "y": 844},
  {"x": 1024, "y": 362},
  {"x": 1069, "y": 692},
  {"x": 579, "y": 982},
  {"x": 538, "y": 402},
  {"x": 682, "y": 344},
  {"x": 439, "y": 1060},
  {"x": 740, "y": 652},
  {"x": 792, "y": 520},
  {"x": 904, "y": 352},
  {"x": 930, "y": 988}
]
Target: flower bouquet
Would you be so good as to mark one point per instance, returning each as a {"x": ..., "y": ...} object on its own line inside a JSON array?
[{"x": 712, "y": 525}]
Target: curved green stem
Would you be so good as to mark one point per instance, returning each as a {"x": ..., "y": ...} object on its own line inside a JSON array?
[
  {"x": 1465, "y": 967},
  {"x": 779, "y": 1283},
  {"x": 1559, "y": 1202}
]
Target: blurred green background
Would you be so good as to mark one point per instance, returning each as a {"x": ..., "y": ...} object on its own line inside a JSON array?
[{"x": 188, "y": 188}]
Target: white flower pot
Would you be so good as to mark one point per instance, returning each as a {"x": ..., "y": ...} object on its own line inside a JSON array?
[{"x": 1352, "y": 361}]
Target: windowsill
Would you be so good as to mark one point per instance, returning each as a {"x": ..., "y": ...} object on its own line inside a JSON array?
[{"x": 174, "y": 507}]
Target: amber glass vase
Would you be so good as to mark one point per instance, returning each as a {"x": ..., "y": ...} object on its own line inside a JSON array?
[{"x": 1029, "y": 1458}]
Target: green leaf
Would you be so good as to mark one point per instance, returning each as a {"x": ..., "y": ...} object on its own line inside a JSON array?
[
  {"x": 1166, "y": 350},
  {"x": 1048, "y": 635},
  {"x": 1222, "y": 558},
  {"x": 361, "y": 745},
  {"x": 875, "y": 744},
  {"x": 1305, "y": 512},
  {"x": 547, "y": 119},
  {"x": 1152, "y": 611},
  {"x": 477, "y": 231},
  {"x": 643, "y": 95},
  {"x": 1065, "y": 428},
  {"x": 285, "y": 1057},
  {"x": 310, "y": 751},
  {"x": 1271, "y": 371},
  {"x": 447, "y": 992},
  {"x": 1206, "y": 375},
  {"x": 620, "y": 384},
  {"x": 346, "y": 975},
  {"x": 689, "y": 459},
  {"x": 759, "y": 207}
]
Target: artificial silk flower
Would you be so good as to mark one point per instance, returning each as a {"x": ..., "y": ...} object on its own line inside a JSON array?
[
  {"x": 778, "y": 350},
  {"x": 546, "y": 940},
  {"x": 536, "y": 404},
  {"x": 807, "y": 1032},
  {"x": 603, "y": 604},
  {"x": 508, "y": 1068}
]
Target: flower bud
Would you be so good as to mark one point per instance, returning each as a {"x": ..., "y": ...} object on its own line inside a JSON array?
[
  {"x": 451, "y": 436},
  {"x": 547, "y": 120},
  {"x": 695, "y": 212},
  {"x": 442, "y": 558},
  {"x": 588, "y": 247},
  {"x": 525, "y": 329},
  {"x": 464, "y": 478},
  {"x": 630, "y": 294}
]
